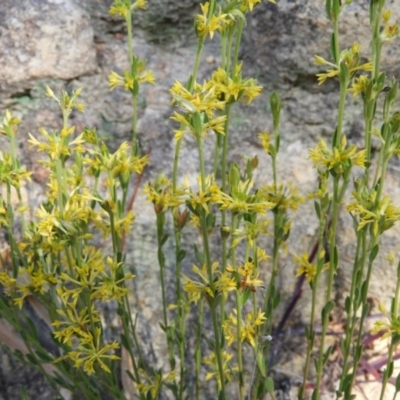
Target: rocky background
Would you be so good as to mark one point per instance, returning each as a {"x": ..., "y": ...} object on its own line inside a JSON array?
[{"x": 75, "y": 43}]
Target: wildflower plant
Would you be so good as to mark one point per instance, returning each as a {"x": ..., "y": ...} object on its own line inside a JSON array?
[{"x": 57, "y": 266}]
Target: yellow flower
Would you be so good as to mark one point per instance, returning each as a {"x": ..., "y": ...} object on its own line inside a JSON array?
[
  {"x": 251, "y": 231},
  {"x": 359, "y": 85},
  {"x": 201, "y": 198},
  {"x": 265, "y": 139},
  {"x": 350, "y": 57},
  {"x": 153, "y": 384},
  {"x": 115, "y": 80},
  {"x": 160, "y": 194},
  {"x": 389, "y": 31},
  {"x": 233, "y": 88},
  {"x": 391, "y": 328},
  {"x": 248, "y": 5},
  {"x": 120, "y": 7},
  {"x": 73, "y": 323},
  {"x": 284, "y": 197},
  {"x": 206, "y": 24},
  {"x": 90, "y": 352},
  {"x": 248, "y": 329},
  {"x": 240, "y": 200},
  {"x": 196, "y": 289},
  {"x": 140, "y": 4},
  {"x": 305, "y": 267},
  {"x": 47, "y": 222},
  {"x": 212, "y": 362},
  {"x": 340, "y": 158},
  {"x": 382, "y": 214},
  {"x": 10, "y": 123},
  {"x": 128, "y": 80}
]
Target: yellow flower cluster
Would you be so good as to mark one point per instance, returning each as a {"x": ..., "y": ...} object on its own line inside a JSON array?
[
  {"x": 389, "y": 31},
  {"x": 283, "y": 197},
  {"x": 153, "y": 384},
  {"x": 124, "y": 8},
  {"x": 11, "y": 173},
  {"x": 391, "y": 328},
  {"x": 231, "y": 89},
  {"x": 129, "y": 79},
  {"x": 199, "y": 106},
  {"x": 350, "y": 57},
  {"x": 206, "y": 24},
  {"x": 248, "y": 5},
  {"x": 198, "y": 109},
  {"x": 248, "y": 329},
  {"x": 306, "y": 267},
  {"x": 240, "y": 200},
  {"x": 340, "y": 159},
  {"x": 248, "y": 276},
  {"x": 212, "y": 361},
  {"x": 223, "y": 282},
  {"x": 381, "y": 215},
  {"x": 161, "y": 195},
  {"x": 10, "y": 124},
  {"x": 90, "y": 352}
]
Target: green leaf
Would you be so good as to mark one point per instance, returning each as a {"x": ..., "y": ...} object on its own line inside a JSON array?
[
  {"x": 328, "y": 9},
  {"x": 237, "y": 13},
  {"x": 210, "y": 221},
  {"x": 164, "y": 239},
  {"x": 197, "y": 124},
  {"x": 374, "y": 253},
  {"x": 336, "y": 8},
  {"x": 31, "y": 359},
  {"x": 269, "y": 384},
  {"x": 125, "y": 342},
  {"x": 246, "y": 295},
  {"x": 275, "y": 103},
  {"x": 278, "y": 142},
  {"x": 24, "y": 394},
  {"x": 329, "y": 306},
  {"x": 389, "y": 370},
  {"x": 180, "y": 256},
  {"x": 398, "y": 383},
  {"x": 261, "y": 364},
  {"x": 135, "y": 89},
  {"x": 333, "y": 48},
  {"x": 317, "y": 209},
  {"x": 276, "y": 300},
  {"x": 335, "y": 257},
  {"x": 347, "y": 304},
  {"x": 327, "y": 354},
  {"x": 234, "y": 175}
]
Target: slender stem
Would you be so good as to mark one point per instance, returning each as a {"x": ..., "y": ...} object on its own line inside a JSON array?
[
  {"x": 161, "y": 262},
  {"x": 210, "y": 274},
  {"x": 198, "y": 348},
  {"x": 179, "y": 141},
  {"x": 338, "y": 193},
  {"x": 394, "y": 316},
  {"x": 351, "y": 317},
  {"x": 238, "y": 318},
  {"x": 314, "y": 287}
]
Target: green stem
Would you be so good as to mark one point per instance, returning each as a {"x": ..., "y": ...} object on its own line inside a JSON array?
[
  {"x": 394, "y": 317},
  {"x": 210, "y": 275},
  {"x": 351, "y": 318},
  {"x": 161, "y": 262},
  {"x": 238, "y": 317},
  {"x": 338, "y": 194},
  {"x": 198, "y": 357}
]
